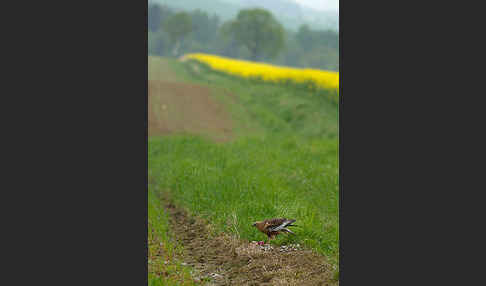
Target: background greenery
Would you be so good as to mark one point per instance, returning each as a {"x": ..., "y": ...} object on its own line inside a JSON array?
[{"x": 174, "y": 32}]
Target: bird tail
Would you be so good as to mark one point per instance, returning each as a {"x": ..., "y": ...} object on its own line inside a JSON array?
[
  {"x": 289, "y": 222},
  {"x": 288, "y": 230}
]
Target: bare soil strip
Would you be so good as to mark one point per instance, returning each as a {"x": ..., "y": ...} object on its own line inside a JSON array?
[
  {"x": 224, "y": 260},
  {"x": 186, "y": 108}
]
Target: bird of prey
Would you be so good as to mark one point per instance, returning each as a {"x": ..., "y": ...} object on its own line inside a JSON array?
[{"x": 275, "y": 226}]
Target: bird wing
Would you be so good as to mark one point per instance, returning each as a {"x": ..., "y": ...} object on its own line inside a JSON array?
[{"x": 276, "y": 224}]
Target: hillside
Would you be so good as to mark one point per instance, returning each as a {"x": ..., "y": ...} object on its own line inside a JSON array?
[{"x": 225, "y": 152}]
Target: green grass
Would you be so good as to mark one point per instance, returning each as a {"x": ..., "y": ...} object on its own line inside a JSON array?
[
  {"x": 205, "y": 72},
  {"x": 254, "y": 179},
  {"x": 268, "y": 108},
  {"x": 283, "y": 161},
  {"x": 160, "y": 69},
  {"x": 164, "y": 267}
]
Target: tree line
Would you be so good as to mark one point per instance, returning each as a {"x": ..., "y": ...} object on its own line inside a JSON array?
[{"x": 254, "y": 35}]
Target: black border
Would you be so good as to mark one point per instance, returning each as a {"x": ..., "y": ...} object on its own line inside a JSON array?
[
  {"x": 403, "y": 112},
  {"x": 78, "y": 112}
]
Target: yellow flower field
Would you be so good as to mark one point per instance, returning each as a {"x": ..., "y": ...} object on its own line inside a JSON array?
[{"x": 267, "y": 72}]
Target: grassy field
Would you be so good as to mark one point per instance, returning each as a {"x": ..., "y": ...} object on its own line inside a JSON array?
[
  {"x": 163, "y": 264},
  {"x": 282, "y": 160},
  {"x": 260, "y": 108},
  {"x": 161, "y": 69}
]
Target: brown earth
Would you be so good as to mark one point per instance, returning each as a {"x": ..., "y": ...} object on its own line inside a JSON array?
[
  {"x": 186, "y": 108},
  {"x": 226, "y": 260}
]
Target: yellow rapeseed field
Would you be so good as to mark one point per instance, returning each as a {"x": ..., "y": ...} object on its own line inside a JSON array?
[{"x": 267, "y": 72}]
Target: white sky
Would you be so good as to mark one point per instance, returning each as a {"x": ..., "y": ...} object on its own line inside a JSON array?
[{"x": 320, "y": 4}]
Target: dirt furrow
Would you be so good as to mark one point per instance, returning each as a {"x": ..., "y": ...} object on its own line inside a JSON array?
[
  {"x": 185, "y": 108},
  {"x": 224, "y": 260}
]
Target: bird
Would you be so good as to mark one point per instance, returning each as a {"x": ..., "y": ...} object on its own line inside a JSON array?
[{"x": 274, "y": 226}]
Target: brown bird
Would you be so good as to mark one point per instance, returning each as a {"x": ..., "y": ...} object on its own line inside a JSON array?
[{"x": 275, "y": 226}]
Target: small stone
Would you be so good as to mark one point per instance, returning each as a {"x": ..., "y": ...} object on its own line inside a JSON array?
[{"x": 216, "y": 275}]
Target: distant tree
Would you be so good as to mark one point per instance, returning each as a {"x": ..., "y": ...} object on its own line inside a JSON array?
[
  {"x": 178, "y": 27},
  {"x": 309, "y": 39},
  {"x": 305, "y": 37},
  {"x": 321, "y": 57},
  {"x": 328, "y": 38},
  {"x": 316, "y": 49},
  {"x": 259, "y": 32},
  {"x": 204, "y": 28},
  {"x": 154, "y": 17},
  {"x": 292, "y": 52},
  {"x": 157, "y": 15},
  {"x": 226, "y": 43},
  {"x": 158, "y": 43}
]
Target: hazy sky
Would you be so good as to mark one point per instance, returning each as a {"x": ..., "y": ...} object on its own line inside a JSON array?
[{"x": 320, "y": 4}]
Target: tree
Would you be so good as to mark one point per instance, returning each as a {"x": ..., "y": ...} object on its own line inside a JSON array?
[
  {"x": 204, "y": 28},
  {"x": 319, "y": 49},
  {"x": 259, "y": 32},
  {"x": 178, "y": 26},
  {"x": 310, "y": 39},
  {"x": 154, "y": 17},
  {"x": 305, "y": 37},
  {"x": 226, "y": 43},
  {"x": 158, "y": 43}
]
